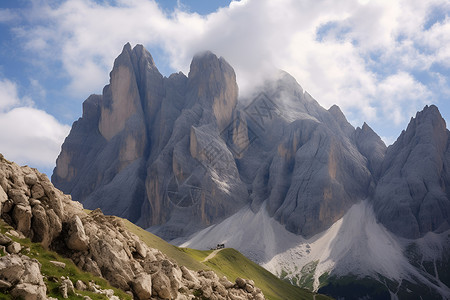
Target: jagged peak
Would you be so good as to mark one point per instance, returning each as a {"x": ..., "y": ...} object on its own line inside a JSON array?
[
  {"x": 138, "y": 54},
  {"x": 208, "y": 61},
  {"x": 366, "y": 129},
  {"x": 337, "y": 112},
  {"x": 429, "y": 112},
  {"x": 429, "y": 115}
]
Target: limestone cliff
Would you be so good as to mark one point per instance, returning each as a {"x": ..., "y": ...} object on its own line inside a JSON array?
[
  {"x": 129, "y": 153},
  {"x": 413, "y": 194}
]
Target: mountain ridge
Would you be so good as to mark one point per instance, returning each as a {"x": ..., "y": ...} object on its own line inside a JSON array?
[{"x": 193, "y": 155}]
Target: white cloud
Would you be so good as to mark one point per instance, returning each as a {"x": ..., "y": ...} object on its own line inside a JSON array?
[
  {"x": 364, "y": 59},
  {"x": 29, "y": 135},
  {"x": 8, "y": 95},
  {"x": 401, "y": 95}
]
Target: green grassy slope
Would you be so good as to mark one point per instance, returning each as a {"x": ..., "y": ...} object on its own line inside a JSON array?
[
  {"x": 233, "y": 264},
  {"x": 228, "y": 262},
  {"x": 182, "y": 256}
]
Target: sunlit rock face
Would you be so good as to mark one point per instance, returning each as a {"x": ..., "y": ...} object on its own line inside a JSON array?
[
  {"x": 140, "y": 150},
  {"x": 180, "y": 153}
]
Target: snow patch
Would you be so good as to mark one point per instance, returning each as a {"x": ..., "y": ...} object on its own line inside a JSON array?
[{"x": 356, "y": 244}]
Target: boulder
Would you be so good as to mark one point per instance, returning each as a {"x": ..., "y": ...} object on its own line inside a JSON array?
[
  {"x": 22, "y": 217},
  {"x": 14, "y": 248},
  {"x": 30, "y": 179},
  {"x": 161, "y": 285},
  {"x": 142, "y": 286},
  {"x": 37, "y": 191},
  {"x": 58, "y": 264},
  {"x": 18, "y": 196},
  {"x": 27, "y": 291},
  {"x": 77, "y": 239},
  {"x": 80, "y": 285},
  {"x": 11, "y": 268},
  {"x": 4, "y": 240}
]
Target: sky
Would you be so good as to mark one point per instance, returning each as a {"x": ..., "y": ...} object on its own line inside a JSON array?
[{"x": 379, "y": 61}]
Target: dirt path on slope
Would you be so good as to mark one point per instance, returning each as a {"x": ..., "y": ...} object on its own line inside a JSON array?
[{"x": 211, "y": 256}]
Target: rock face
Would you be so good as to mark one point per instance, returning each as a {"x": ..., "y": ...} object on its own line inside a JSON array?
[
  {"x": 413, "y": 194},
  {"x": 311, "y": 170},
  {"x": 96, "y": 243},
  {"x": 22, "y": 277},
  {"x": 149, "y": 133},
  {"x": 190, "y": 156}
]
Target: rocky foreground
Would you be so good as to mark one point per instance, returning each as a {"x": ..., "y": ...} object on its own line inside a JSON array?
[{"x": 96, "y": 243}]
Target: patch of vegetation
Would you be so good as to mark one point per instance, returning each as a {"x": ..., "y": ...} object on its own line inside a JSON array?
[
  {"x": 307, "y": 275},
  {"x": 324, "y": 279},
  {"x": 283, "y": 274}
]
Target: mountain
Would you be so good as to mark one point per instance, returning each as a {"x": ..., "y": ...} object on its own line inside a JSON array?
[
  {"x": 413, "y": 194},
  {"x": 292, "y": 185},
  {"x": 190, "y": 157},
  {"x": 149, "y": 133}
]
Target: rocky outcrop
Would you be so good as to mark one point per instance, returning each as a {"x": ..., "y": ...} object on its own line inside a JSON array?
[
  {"x": 21, "y": 277},
  {"x": 412, "y": 196},
  {"x": 372, "y": 147},
  {"x": 96, "y": 243}
]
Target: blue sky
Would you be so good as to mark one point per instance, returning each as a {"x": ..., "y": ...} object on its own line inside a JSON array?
[{"x": 380, "y": 61}]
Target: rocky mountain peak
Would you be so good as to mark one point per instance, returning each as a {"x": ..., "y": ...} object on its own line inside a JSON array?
[
  {"x": 412, "y": 196},
  {"x": 371, "y": 146},
  {"x": 212, "y": 84}
]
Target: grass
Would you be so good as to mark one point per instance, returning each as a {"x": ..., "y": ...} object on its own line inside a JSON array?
[
  {"x": 228, "y": 262},
  {"x": 182, "y": 256},
  {"x": 50, "y": 271}
]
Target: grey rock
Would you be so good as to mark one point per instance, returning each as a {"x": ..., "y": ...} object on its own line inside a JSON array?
[
  {"x": 77, "y": 239},
  {"x": 142, "y": 286},
  {"x": 29, "y": 291},
  {"x": 412, "y": 196},
  {"x": 80, "y": 285},
  {"x": 195, "y": 133},
  {"x": 58, "y": 264},
  {"x": 22, "y": 217},
  {"x": 14, "y": 248},
  {"x": 372, "y": 147},
  {"x": 136, "y": 134},
  {"x": 4, "y": 284},
  {"x": 11, "y": 268},
  {"x": 4, "y": 240},
  {"x": 37, "y": 191},
  {"x": 309, "y": 171}
]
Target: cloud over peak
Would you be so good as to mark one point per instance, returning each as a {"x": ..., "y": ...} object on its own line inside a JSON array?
[{"x": 380, "y": 61}]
